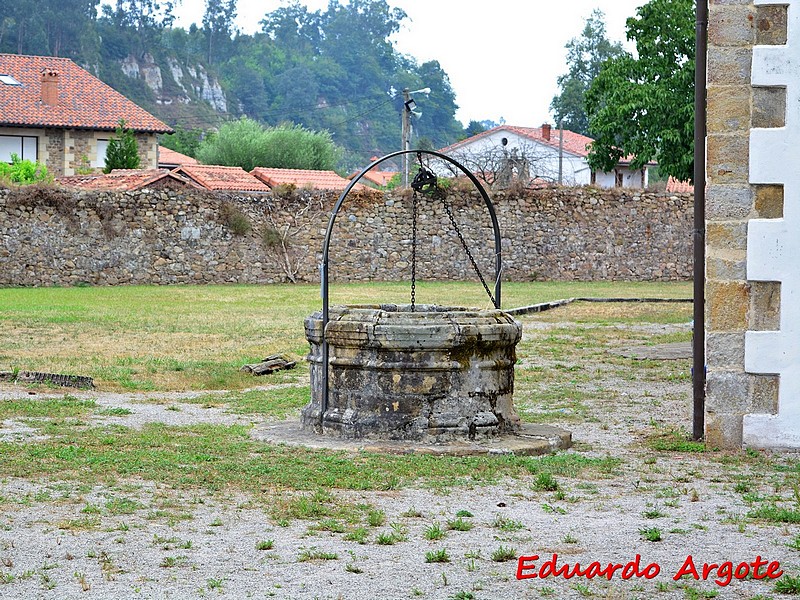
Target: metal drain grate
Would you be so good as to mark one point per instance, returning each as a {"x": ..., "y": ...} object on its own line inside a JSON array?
[{"x": 75, "y": 381}]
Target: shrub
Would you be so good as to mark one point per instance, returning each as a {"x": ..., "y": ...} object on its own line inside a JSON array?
[
  {"x": 247, "y": 144},
  {"x": 23, "y": 171},
  {"x": 234, "y": 219}
]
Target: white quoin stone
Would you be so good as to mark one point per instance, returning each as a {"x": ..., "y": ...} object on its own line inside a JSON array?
[{"x": 773, "y": 245}]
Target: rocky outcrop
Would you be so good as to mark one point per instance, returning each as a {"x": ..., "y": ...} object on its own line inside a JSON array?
[{"x": 192, "y": 82}]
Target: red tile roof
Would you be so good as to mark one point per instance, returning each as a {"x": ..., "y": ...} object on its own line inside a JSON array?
[
  {"x": 676, "y": 186},
  {"x": 171, "y": 158},
  {"x": 380, "y": 178},
  {"x": 123, "y": 180},
  {"x": 83, "y": 101},
  {"x": 228, "y": 179},
  {"x": 302, "y": 178}
]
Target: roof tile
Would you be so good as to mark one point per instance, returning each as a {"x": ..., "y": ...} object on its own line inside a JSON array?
[
  {"x": 170, "y": 158},
  {"x": 216, "y": 178},
  {"x": 123, "y": 180},
  {"x": 303, "y": 178},
  {"x": 84, "y": 102},
  {"x": 676, "y": 186}
]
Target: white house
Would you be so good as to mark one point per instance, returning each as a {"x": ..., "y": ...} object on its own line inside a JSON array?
[{"x": 536, "y": 155}]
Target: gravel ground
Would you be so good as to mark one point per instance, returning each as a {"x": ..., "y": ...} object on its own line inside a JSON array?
[{"x": 178, "y": 544}]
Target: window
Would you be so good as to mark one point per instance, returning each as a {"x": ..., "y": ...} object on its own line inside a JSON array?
[
  {"x": 26, "y": 147},
  {"x": 8, "y": 80},
  {"x": 100, "y": 161}
]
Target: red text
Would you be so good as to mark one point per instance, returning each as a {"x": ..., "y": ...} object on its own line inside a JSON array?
[
  {"x": 725, "y": 572},
  {"x": 528, "y": 569}
]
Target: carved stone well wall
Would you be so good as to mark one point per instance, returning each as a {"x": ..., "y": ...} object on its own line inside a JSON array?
[{"x": 435, "y": 374}]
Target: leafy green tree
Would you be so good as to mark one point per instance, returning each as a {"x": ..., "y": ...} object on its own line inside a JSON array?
[
  {"x": 295, "y": 147},
  {"x": 473, "y": 128},
  {"x": 236, "y": 144},
  {"x": 218, "y": 26},
  {"x": 123, "y": 150},
  {"x": 644, "y": 106},
  {"x": 185, "y": 141},
  {"x": 246, "y": 143},
  {"x": 585, "y": 57},
  {"x": 144, "y": 20}
]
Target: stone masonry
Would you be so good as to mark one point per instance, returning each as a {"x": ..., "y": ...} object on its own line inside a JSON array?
[
  {"x": 55, "y": 237},
  {"x": 738, "y": 299}
]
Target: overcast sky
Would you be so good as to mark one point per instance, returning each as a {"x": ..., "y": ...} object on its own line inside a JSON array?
[{"x": 502, "y": 56}]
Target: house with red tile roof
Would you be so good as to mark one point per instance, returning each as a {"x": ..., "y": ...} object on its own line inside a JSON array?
[
  {"x": 303, "y": 178},
  {"x": 170, "y": 159},
  {"x": 128, "y": 180},
  {"x": 222, "y": 179},
  {"x": 537, "y": 154},
  {"x": 55, "y": 112}
]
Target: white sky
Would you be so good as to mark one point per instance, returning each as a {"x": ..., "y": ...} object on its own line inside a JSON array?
[{"x": 502, "y": 57}]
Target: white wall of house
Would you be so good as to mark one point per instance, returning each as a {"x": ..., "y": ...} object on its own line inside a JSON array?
[
  {"x": 622, "y": 176},
  {"x": 543, "y": 161}
]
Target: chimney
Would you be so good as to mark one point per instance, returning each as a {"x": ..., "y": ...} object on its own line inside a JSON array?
[
  {"x": 50, "y": 87},
  {"x": 546, "y": 131}
]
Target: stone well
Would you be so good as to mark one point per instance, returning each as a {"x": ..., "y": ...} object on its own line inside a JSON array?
[{"x": 436, "y": 374}]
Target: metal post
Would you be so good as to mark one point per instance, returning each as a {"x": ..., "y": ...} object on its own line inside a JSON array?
[
  {"x": 698, "y": 338},
  {"x": 405, "y": 133},
  {"x": 560, "y": 154}
]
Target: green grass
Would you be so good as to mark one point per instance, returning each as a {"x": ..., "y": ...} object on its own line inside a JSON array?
[
  {"x": 434, "y": 532},
  {"x": 197, "y": 337},
  {"x": 651, "y": 534},
  {"x": 277, "y": 402},
  {"x": 437, "y": 556},
  {"x": 503, "y": 554},
  {"x": 674, "y": 440},
  {"x": 52, "y": 408},
  {"x": 788, "y": 585},
  {"x": 215, "y": 456},
  {"x": 775, "y": 514},
  {"x": 459, "y": 524}
]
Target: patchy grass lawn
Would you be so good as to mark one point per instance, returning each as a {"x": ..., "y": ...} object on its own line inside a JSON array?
[
  {"x": 150, "y": 338},
  {"x": 91, "y": 500}
]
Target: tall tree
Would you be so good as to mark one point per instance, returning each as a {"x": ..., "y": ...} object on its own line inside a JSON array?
[
  {"x": 644, "y": 106},
  {"x": 123, "y": 150},
  {"x": 147, "y": 18},
  {"x": 218, "y": 25},
  {"x": 585, "y": 57}
]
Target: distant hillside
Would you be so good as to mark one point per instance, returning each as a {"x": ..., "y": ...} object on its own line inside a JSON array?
[{"x": 330, "y": 70}]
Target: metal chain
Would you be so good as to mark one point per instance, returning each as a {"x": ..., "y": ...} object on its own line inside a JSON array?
[
  {"x": 413, "y": 250},
  {"x": 466, "y": 249},
  {"x": 427, "y": 183}
]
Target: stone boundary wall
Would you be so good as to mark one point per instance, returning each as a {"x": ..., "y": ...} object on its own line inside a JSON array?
[{"x": 55, "y": 237}]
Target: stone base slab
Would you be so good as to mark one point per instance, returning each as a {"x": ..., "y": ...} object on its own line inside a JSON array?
[
  {"x": 531, "y": 440},
  {"x": 774, "y": 432}
]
